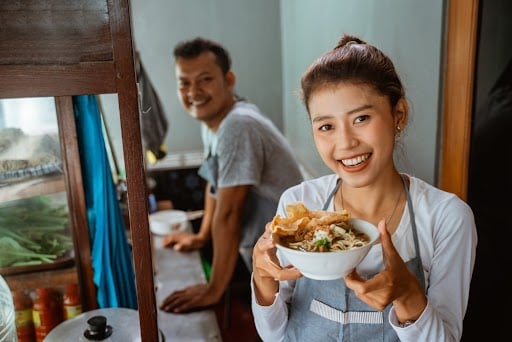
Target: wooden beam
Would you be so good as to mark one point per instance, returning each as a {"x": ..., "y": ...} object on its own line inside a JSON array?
[
  {"x": 57, "y": 80},
  {"x": 135, "y": 169},
  {"x": 462, "y": 34}
]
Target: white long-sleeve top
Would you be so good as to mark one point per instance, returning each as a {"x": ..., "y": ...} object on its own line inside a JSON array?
[{"x": 447, "y": 242}]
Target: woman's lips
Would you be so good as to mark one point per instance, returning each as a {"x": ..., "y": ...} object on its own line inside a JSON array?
[{"x": 355, "y": 161}]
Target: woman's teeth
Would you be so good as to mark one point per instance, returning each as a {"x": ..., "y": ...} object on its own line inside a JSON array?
[{"x": 355, "y": 161}]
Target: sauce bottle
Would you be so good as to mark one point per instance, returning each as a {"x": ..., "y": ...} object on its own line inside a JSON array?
[
  {"x": 71, "y": 301},
  {"x": 24, "y": 321},
  {"x": 47, "y": 312}
]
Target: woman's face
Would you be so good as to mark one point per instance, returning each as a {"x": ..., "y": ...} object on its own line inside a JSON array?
[{"x": 354, "y": 131}]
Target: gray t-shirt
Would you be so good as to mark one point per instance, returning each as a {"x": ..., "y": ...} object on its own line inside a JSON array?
[{"x": 250, "y": 150}]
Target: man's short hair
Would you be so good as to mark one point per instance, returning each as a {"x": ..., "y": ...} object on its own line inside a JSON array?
[{"x": 192, "y": 48}]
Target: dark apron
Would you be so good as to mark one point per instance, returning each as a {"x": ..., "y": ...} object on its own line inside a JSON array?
[
  {"x": 257, "y": 211},
  {"x": 209, "y": 171},
  {"x": 329, "y": 311}
]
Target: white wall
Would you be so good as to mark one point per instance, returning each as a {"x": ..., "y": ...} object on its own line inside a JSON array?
[
  {"x": 272, "y": 42},
  {"x": 248, "y": 29},
  {"x": 410, "y": 32}
]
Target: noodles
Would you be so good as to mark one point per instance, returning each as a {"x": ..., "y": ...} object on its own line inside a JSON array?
[{"x": 316, "y": 231}]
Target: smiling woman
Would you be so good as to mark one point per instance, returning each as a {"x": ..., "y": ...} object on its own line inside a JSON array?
[{"x": 357, "y": 106}]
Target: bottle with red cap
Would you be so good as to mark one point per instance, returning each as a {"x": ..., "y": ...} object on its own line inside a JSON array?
[
  {"x": 47, "y": 312},
  {"x": 24, "y": 322},
  {"x": 71, "y": 301}
]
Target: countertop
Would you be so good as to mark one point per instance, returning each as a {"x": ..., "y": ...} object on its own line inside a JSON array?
[{"x": 174, "y": 271}]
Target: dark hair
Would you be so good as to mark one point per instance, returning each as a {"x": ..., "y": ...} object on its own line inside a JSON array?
[
  {"x": 192, "y": 48},
  {"x": 353, "y": 60}
]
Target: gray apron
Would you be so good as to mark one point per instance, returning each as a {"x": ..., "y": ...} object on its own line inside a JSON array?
[
  {"x": 257, "y": 211},
  {"x": 327, "y": 310}
]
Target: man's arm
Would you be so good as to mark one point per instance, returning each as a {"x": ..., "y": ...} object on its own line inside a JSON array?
[
  {"x": 188, "y": 241},
  {"x": 225, "y": 213},
  {"x": 226, "y": 231}
]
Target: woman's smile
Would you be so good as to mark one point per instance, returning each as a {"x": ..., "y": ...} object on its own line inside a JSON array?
[{"x": 355, "y": 161}]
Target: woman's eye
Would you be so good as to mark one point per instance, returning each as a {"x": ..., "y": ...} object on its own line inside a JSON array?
[
  {"x": 361, "y": 118},
  {"x": 325, "y": 128}
]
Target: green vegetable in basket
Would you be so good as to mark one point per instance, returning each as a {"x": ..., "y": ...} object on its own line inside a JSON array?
[
  {"x": 14, "y": 254},
  {"x": 33, "y": 231}
]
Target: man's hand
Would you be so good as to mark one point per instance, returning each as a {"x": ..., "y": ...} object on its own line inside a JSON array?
[
  {"x": 192, "y": 298},
  {"x": 183, "y": 241}
]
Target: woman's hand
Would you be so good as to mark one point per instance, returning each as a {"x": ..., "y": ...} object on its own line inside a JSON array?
[
  {"x": 267, "y": 272},
  {"x": 183, "y": 241},
  {"x": 395, "y": 284}
]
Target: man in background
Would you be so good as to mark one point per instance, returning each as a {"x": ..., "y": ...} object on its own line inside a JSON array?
[{"x": 248, "y": 164}]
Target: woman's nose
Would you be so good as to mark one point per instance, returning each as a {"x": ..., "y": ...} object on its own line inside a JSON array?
[{"x": 345, "y": 138}]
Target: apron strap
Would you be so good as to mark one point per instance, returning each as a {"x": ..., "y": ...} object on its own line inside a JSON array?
[
  {"x": 331, "y": 195},
  {"x": 419, "y": 272}
]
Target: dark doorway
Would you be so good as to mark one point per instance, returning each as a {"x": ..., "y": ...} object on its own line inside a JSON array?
[{"x": 490, "y": 176}]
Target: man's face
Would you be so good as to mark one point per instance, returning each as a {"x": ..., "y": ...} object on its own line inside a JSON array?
[{"x": 205, "y": 92}]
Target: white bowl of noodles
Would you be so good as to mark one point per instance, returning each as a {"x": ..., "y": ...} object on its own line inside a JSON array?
[{"x": 333, "y": 262}]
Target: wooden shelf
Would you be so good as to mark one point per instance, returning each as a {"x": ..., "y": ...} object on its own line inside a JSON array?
[
  {"x": 61, "y": 49},
  {"x": 48, "y": 278},
  {"x": 32, "y": 187}
]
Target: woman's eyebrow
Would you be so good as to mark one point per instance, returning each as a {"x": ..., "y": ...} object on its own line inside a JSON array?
[
  {"x": 352, "y": 111},
  {"x": 359, "y": 109},
  {"x": 321, "y": 118}
]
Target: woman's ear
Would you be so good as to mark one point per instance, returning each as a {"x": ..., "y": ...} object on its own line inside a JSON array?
[{"x": 401, "y": 114}]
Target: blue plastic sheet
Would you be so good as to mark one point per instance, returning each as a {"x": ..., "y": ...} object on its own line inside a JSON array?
[{"x": 110, "y": 252}]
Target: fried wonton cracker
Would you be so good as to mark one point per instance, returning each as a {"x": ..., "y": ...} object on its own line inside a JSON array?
[{"x": 301, "y": 218}]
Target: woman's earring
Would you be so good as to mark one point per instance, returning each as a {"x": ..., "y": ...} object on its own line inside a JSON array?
[{"x": 398, "y": 132}]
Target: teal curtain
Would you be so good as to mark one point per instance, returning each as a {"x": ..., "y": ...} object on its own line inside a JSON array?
[{"x": 110, "y": 252}]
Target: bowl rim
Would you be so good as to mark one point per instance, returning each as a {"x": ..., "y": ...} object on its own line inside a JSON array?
[
  {"x": 369, "y": 244},
  {"x": 162, "y": 222},
  {"x": 173, "y": 215}
]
